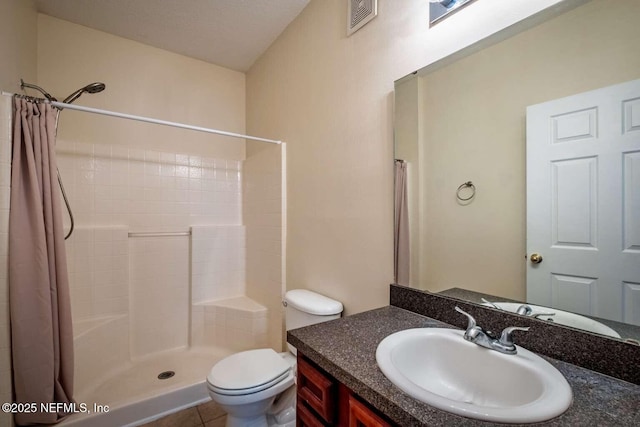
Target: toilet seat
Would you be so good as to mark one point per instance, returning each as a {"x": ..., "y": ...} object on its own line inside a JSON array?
[
  {"x": 244, "y": 399},
  {"x": 249, "y": 390},
  {"x": 248, "y": 372}
]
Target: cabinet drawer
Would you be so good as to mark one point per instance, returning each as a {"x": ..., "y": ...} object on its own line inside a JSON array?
[
  {"x": 361, "y": 416},
  {"x": 316, "y": 390},
  {"x": 306, "y": 418}
]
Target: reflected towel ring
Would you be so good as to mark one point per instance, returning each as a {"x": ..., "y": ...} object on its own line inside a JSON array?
[{"x": 467, "y": 184}]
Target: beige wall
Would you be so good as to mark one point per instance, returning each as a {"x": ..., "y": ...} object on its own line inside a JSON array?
[
  {"x": 330, "y": 98},
  {"x": 140, "y": 80},
  {"x": 474, "y": 129},
  {"x": 18, "y": 37},
  {"x": 18, "y": 33}
]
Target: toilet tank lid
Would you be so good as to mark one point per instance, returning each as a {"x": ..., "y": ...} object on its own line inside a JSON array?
[{"x": 312, "y": 303}]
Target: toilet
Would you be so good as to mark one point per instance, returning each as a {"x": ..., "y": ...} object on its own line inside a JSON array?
[{"x": 256, "y": 387}]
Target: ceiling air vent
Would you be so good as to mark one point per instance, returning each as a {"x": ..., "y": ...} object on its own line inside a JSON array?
[{"x": 360, "y": 12}]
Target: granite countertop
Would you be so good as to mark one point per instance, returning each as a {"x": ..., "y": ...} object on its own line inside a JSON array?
[{"x": 345, "y": 348}]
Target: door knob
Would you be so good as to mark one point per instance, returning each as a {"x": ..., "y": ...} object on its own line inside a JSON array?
[{"x": 535, "y": 258}]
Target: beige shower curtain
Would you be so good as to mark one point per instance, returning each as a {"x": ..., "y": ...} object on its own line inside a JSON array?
[
  {"x": 401, "y": 235},
  {"x": 41, "y": 334}
]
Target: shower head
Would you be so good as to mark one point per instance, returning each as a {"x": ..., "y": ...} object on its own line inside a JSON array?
[
  {"x": 95, "y": 87},
  {"x": 90, "y": 88}
]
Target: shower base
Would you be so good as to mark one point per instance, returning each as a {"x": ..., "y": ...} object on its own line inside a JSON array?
[{"x": 134, "y": 395}]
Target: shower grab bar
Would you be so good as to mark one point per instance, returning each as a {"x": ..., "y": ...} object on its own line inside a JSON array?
[
  {"x": 160, "y": 234},
  {"x": 152, "y": 120}
]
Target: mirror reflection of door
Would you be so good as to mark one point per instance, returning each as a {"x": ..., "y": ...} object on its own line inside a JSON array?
[{"x": 583, "y": 203}]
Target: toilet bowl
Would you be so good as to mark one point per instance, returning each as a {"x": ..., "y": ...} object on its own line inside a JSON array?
[
  {"x": 256, "y": 387},
  {"x": 246, "y": 384}
]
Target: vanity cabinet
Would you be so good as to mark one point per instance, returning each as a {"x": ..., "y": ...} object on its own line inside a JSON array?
[{"x": 324, "y": 401}]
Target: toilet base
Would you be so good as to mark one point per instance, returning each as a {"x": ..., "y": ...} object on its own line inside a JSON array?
[
  {"x": 258, "y": 421},
  {"x": 246, "y": 422},
  {"x": 281, "y": 412}
]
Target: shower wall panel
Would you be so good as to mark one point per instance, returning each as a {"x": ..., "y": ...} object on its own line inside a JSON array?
[
  {"x": 129, "y": 189},
  {"x": 149, "y": 190},
  {"x": 235, "y": 324},
  {"x": 160, "y": 302},
  {"x": 217, "y": 262},
  {"x": 264, "y": 218},
  {"x": 98, "y": 266}
]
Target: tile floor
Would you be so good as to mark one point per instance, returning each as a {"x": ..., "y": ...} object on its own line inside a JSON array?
[{"x": 205, "y": 415}]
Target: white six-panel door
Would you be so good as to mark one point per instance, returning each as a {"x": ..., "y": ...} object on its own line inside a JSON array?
[{"x": 583, "y": 203}]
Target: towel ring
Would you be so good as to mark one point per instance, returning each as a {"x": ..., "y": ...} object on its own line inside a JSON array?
[{"x": 467, "y": 184}]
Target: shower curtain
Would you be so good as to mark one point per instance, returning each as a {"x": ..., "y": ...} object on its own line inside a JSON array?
[
  {"x": 401, "y": 232},
  {"x": 41, "y": 334}
]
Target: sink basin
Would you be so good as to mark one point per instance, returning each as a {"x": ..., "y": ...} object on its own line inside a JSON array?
[
  {"x": 440, "y": 368},
  {"x": 562, "y": 318}
]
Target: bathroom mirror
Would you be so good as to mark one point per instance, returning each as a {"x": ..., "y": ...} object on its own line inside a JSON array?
[{"x": 463, "y": 119}]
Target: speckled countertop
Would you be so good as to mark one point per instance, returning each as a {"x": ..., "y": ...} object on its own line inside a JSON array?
[{"x": 345, "y": 348}]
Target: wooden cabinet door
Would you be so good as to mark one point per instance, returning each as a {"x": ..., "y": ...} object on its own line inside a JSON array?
[
  {"x": 361, "y": 416},
  {"x": 305, "y": 417},
  {"x": 316, "y": 390}
]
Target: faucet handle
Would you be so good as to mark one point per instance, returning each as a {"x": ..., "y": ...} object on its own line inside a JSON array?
[
  {"x": 537, "y": 315},
  {"x": 486, "y": 301},
  {"x": 472, "y": 321},
  {"x": 506, "y": 338}
]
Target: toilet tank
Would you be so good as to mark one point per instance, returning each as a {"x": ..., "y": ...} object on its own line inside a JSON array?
[{"x": 304, "y": 308}]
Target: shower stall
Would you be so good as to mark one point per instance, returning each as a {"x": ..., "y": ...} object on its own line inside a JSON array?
[{"x": 175, "y": 260}]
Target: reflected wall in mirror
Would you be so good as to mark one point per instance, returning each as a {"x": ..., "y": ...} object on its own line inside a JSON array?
[{"x": 465, "y": 120}]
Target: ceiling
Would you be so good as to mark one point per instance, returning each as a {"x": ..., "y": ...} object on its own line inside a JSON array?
[{"x": 229, "y": 33}]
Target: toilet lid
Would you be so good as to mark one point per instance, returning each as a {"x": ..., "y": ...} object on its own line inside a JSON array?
[
  {"x": 287, "y": 376},
  {"x": 248, "y": 370}
]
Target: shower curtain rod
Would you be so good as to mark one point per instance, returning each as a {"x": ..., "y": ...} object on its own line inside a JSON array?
[{"x": 152, "y": 120}]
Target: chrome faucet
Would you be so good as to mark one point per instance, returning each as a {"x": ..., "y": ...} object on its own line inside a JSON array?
[
  {"x": 477, "y": 335},
  {"x": 525, "y": 310}
]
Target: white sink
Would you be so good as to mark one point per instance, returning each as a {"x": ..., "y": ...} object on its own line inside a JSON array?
[
  {"x": 440, "y": 368},
  {"x": 561, "y": 318}
]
